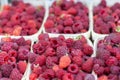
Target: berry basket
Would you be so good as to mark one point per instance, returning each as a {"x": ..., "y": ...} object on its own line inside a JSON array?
[
  {"x": 33, "y": 23},
  {"x": 95, "y": 4},
  {"x": 31, "y": 66},
  {"x": 111, "y": 51},
  {"x": 86, "y": 3},
  {"x": 11, "y": 52}
]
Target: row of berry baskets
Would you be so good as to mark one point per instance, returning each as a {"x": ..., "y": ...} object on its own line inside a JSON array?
[
  {"x": 56, "y": 17},
  {"x": 52, "y": 56}
]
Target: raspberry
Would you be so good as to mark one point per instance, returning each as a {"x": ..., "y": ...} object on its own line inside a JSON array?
[
  {"x": 68, "y": 22},
  {"x": 112, "y": 77},
  {"x": 22, "y": 65},
  {"x": 67, "y": 76},
  {"x": 78, "y": 44},
  {"x": 49, "y": 24},
  {"x": 17, "y": 31},
  {"x": 77, "y": 60},
  {"x": 103, "y": 54},
  {"x": 60, "y": 73},
  {"x": 76, "y": 52},
  {"x": 57, "y": 10},
  {"x": 6, "y": 70},
  {"x": 37, "y": 70},
  {"x": 78, "y": 77},
  {"x": 107, "y": 70},
  {"x": 20, "y": 41},
  {"x": 99, "y": 61},
  {"x": 3, "y": 57},
  {"x": 88, "y": 65},
  {"x": 54, "y": 30},
  {"x": 15, "y": 74},
  {"x": 77, "y": 27},
  {"x": 54, "y": 42},
  {"x": 6, "y": 46},
  {"x": 87, "y": 49},
  {"x": 64, "y": 61},
  {"x": 33, "y": 76},
  {"x": 12, "y": 53},
  {"x": 38, "y": 48},
  {"x": 23, "y": 53},
  {"x": 98, "y": 70},
  {"x": 40, "y": 60},
  {"x": 69, "y": 42},
  {"x": 68, "y": 30},
  {"x": 43, "y": 37},
  {"x": 103, "y": 77},
  {"x": 89, "y": 77},
  {"x": 73, "y": 68},
  {"x": 60, "y": 28},
  {"x": 72, "y": 11},
  {"x": 114, "y": 70},
  {"x": 62, "y": 50},
  {"x": 50, "y": 52},
  {"x": 32, "y": 57},
  {"x": 111, "y": 61}
]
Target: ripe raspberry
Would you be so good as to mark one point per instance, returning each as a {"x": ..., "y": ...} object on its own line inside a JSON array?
[
  {"x": 3, "y": 57},
  {"x": 60, "y": 73},
  {"x": 12, "y": 53},
  {"x": 68, "y": 30},
  {"x": 103, "y": 77},
  {"x": 111, "y": 61},
  {"x": 33, "y": 76},
  {"x": 64, "y": 61},
  {"x": 43, "y": 37},
  {"x": 69, "y": 42},
  {"x": 6, "y": 70},
  {"x": 88, "y": 50},
  {"x": 77, "y": 27},
  {"x": 98, "y": 70},
  {"x": 73, "y": 68},
  {"x": 67, "y": 76},
  {"x": 115, "y": 70},
  {"x": 89, "y": 77},
  {"x": 112, "y": 77},
  {"x": 78, "y": 44},
  {"x": 106, "y": 70},
  {"x": 78, "y": 77},
  {"x": 62, "y": 50},
  {"x": 103, "y": 54},
  {"x": 72, "y": 11},
  {"x": 49, "y": 24},
  {"x": 32, "y": 57},
  {"x": 76, "y": 52},
  {"x": 37, "y": 70},
  {"x": 54, "y": 30},
  {"x": 15, "y": 74},
  {"x": 68, "y": 22},
  {"x": 77, "y": 60},
  {"x": 23, "y": 53},
  {"x": 88, "y": 65},
  {"x": 22, "y": 65},
  {"x": 41, "y": 59},
  {"x": 99, "y": 61},
  {"x": 50, "y": 52}
]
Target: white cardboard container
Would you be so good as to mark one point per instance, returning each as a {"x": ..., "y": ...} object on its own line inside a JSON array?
[
  {"x": 95, "y": 3},
  {"x": 34, "y": 3},
  {"x": 27, "y": 69},
  {"x": 86, "y": 34},
  {"x": 29, "y": 65}
]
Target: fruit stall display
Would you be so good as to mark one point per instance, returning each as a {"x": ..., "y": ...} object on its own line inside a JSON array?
[
  {"x": 60, "y": 40},
  {"x": 70, "y": 18}
]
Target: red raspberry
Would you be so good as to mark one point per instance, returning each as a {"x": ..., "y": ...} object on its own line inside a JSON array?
[
  {"x": 15, "y": 74},
  {"x": 54, "y": 30},
  {"x": 111, "y": 61},
  {"x": 60, "y": 73},
  {"x": 77, "y": 27},
  {"x": 112, "y": 77},
  {"x": 60, "y": 28},
  {"x": 37, "y": 70},
  {"x": 76, "y": 52},
  {"x": 88, "y": 50},
  {"x": 32, "y": 57},
  {"x": 3, "y": 57},
  {"x": 22, "y": 65},
  {"x": 6, "y": 70},
  {"x": 98, "y": 70},
  {"x": 40, "y": 60},
  {"x": 57, "y": 10},
  {"x": 78, "y": 77},
  {"x": 43, "y": 37},
  {"x": 78, "y": 44},
  {"x": 68, "y": 76},
  {"x": 69, "y": 42},
  {"x": 88, "y": 65},
  {"x": 73, "y": 68},
  {"x": 12, "y": 53},
  {"x": 77, "y": 60},
  {"x": 103, "y": 77},
  {"x": 72, "y": 11},
  {"x": 50, "y": 52},
  {"x": 5, "y": 79},
  {"x": 62, "y": 50},
  {"x": 33, "y": 76},
  {"x": 68, "y": 30},
  {"x": 89, "y": 77},
  {"x": 115, "y": 70},
  {"x": 49, "y": 24},
  {"x": 68, "y": 22},
  {"x": 99, "y": 61}
]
